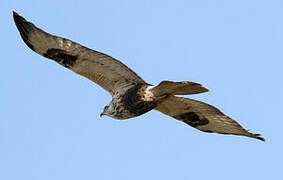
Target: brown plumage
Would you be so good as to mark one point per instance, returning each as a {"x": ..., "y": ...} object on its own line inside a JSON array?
[{"x": 131, "y": 95}]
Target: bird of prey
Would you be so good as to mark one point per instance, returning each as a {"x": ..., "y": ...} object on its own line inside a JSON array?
[{"x": 131, "y": 95}]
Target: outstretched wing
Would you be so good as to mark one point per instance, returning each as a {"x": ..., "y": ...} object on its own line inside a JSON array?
[
  {"x": 104, "y": 70},
  {"x": 202, "y": 116}
]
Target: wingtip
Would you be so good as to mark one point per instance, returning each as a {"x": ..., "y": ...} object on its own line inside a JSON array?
[
  {"x": 260, "y": 138},
  {"x": 257, "y": 136},
  {"x": 15, "y": 15},
  {"x": 24, "y": 28},
  {"x": 18, "y": 18}
]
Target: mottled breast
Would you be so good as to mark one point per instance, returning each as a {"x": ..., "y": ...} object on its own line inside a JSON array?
[{"x": 138, "y": 100}]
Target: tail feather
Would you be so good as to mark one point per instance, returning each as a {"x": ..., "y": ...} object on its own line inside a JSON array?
[{"x": 178, "y": 88}]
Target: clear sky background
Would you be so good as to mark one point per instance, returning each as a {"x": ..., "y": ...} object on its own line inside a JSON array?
[{"x": 49, "y": 122}]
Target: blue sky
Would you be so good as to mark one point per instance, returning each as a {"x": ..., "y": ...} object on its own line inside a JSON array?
[{"x": 50, "y": 126}]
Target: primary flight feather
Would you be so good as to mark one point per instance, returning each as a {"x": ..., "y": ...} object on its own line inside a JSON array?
[{"x": 131, "y": 95}]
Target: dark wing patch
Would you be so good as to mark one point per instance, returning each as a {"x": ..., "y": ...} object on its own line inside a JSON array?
[
  {"x": 106, "y": 71},
  {"x": 61, "y": 56},
  {"x": 192, "y": 119},
  {"x": 202, "y": 116}
]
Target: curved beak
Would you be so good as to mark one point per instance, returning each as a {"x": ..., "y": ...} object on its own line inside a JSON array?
[{"x": 101, "y": 114}]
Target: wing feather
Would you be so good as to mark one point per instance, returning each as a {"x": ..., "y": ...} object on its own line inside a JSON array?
[
  {"x": 202, "y": 116},
  {"x": 101, "y": 68}
]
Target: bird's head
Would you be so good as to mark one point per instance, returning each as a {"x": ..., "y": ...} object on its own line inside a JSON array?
[
  {"x": 114, "y": 111},
  {"x": 108, "y": 110}
]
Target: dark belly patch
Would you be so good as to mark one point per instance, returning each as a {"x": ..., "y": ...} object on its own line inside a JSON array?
[
  {"x": 192, "y": 119},
  {"x": 61, "y": 56},
  {"x": 132, "y": 101}
]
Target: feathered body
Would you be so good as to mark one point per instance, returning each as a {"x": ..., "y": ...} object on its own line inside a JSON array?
[
  {"x": 131, "y": 95},
  {"x": 135, "y": 101}
]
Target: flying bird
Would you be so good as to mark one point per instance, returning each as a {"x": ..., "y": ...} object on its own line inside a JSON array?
[{"x": 131, "y": 95}]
